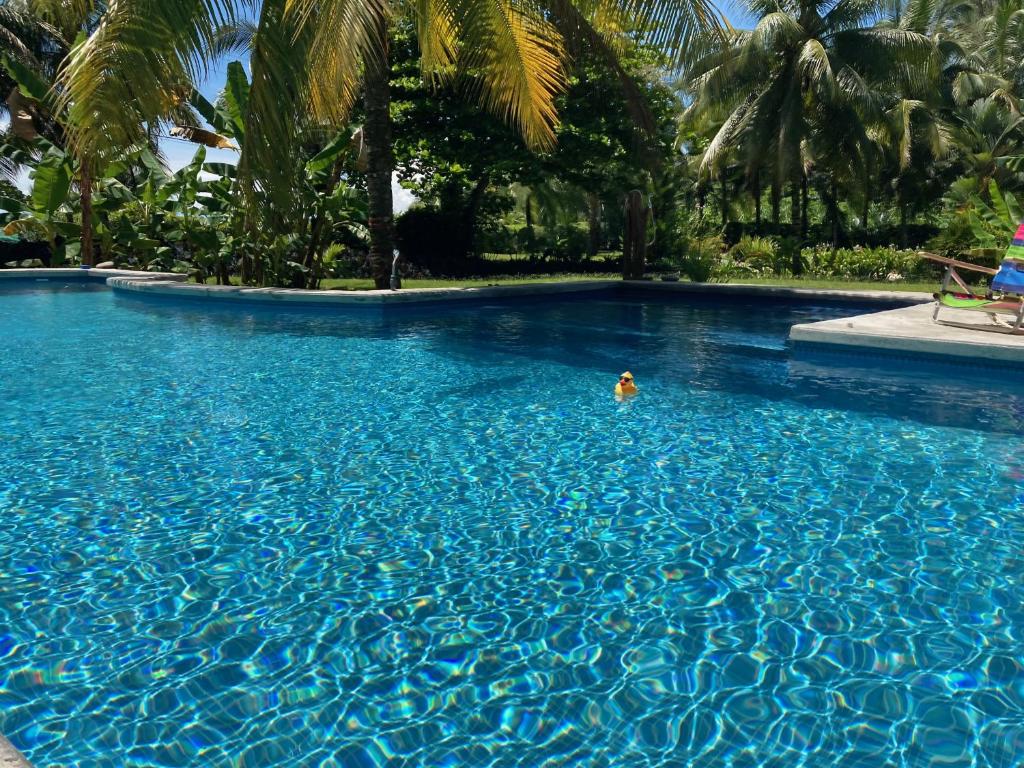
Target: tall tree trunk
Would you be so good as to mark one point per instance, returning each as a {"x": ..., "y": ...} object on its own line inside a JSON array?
[
  {"x": 634, "y": 243},
  {"x": 757, "y": 199},
  {"x": 593, "y": 223},
  {"x": 903, "y": 213},
  {"x": 834, "y": 192},
  {"x": 85, "y": 185},
  {"x": 794, "y": 207},
  {"x": 866, "y": 210},
  {"x": 725, "y": 202},
  {"x": 803, "y": 206},
  {"x": 476, "y": 196},
  {"x": 776, "y": 205},
  {"x": 377, "y": 135}
]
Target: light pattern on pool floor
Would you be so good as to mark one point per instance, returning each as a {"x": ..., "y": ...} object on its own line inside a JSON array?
[{"x": 237, "y": 539}]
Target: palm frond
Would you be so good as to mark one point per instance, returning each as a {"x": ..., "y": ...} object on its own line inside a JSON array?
[
  {"x": 344, "y": 35},
  {"x": 438, "y": 36},
  {"x": 671, "y": 25},
  {"x": 131, "y": 70},
  {"x": 516, "y": 58},
  {"x": 233, "y": 39}
]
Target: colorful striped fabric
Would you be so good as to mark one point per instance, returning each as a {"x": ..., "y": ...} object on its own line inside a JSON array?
[{"x": 1016, "y": 249}]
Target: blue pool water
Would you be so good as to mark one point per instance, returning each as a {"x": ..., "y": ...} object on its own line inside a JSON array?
[{"x": 234, "y": 538}]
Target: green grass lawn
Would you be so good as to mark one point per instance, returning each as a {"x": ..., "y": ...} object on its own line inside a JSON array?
[
  {"x": 361, "y": 284},
  {"x": 365, "y": 284},
  {"x": 842, "y": 285}
]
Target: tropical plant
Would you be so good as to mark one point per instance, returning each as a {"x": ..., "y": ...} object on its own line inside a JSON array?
[
  {"x": 800, "y": 90},
  {"x": 311, "y": 56},
  {"x": 992, "y": 217}
]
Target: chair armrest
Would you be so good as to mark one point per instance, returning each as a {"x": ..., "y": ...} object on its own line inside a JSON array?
[{"x": 956, "y": 263}]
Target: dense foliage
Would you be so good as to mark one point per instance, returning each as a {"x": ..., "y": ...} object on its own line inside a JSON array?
[{"x": 829, "y": 139}]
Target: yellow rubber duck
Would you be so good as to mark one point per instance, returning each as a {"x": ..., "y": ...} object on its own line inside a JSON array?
[{"x": 626, "y": 385}]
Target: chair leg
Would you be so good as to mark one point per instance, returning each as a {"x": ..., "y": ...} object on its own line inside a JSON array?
[
  {"x": 935, "y": 314},
  {"x": 945, "y": 278}
]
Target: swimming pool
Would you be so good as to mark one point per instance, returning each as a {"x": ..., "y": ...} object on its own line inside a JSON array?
[{"x": 238, "y": 538}]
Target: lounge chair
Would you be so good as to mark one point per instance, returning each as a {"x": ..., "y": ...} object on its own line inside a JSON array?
[{"x": 1004, "y": 297}]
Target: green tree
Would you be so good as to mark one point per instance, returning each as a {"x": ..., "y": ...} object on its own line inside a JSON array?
[
  {"x": 800, "y": 90},
  {"x": 510, "y": 54}
]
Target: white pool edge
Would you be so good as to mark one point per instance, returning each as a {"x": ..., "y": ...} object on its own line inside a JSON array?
[{"x": 10, "y": 757}]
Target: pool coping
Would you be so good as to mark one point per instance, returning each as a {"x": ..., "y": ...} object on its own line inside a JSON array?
[
  {"x": 409, "y": 296},
  {"x": 11, "y": 757},
  {"x": 92, "y": 275},
  {"x": 373, "y": 298},
  {"x": 173, "y": 284}
]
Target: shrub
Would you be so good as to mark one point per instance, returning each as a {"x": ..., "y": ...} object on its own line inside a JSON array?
[
  {"x": 571, "y": 244},
  {"x": 702, "y": 259},
  {"x": 758, "y": 256},
  {"x": 881, "y": 263}
]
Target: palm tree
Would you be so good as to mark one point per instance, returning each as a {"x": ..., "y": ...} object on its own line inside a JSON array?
[
  {"x": 800, "y": 89},
  {"x": 511, "y": 54},
  {"x": 34, "y": 48},
  {"x": 983, "y": 42}
]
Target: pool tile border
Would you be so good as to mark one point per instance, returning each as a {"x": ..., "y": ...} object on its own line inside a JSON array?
[{"x": 782, "y": 292}]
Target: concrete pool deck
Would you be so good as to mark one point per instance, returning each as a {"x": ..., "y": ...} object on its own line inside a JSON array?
[
  {"x": 10, "y": 757},
  {"x": 911, "y": 331}
]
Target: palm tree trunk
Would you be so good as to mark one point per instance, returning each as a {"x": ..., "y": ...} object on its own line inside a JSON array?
[
  {"x": 776, "y": 205},
  {"x": 85, "y": 185},
  {"x": 803, "y": 206},
  {"x": 725, "y": 201},
  {"x": 634, "y": 243},
  {"x": 866, "y": 210},
  {"x": 757, "y": 199},
  {"x": 593, "y": 224},
  {"x": 903, "y": 213},
  {"x": 834, "y": 192},
  {"x": 794, "y": 207},
  {"x": 377, "y": 134},
  {"x": 476, "y": 197}
]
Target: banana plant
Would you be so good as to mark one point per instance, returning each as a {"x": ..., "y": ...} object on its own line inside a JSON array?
[
  {"x": 48, "y": 214},
  {"x": 318, "y": 188},
  {"x": 992, "y": 218}
]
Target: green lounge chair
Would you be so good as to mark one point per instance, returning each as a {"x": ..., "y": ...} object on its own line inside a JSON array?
[{"x": 1005, "y": 296}]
